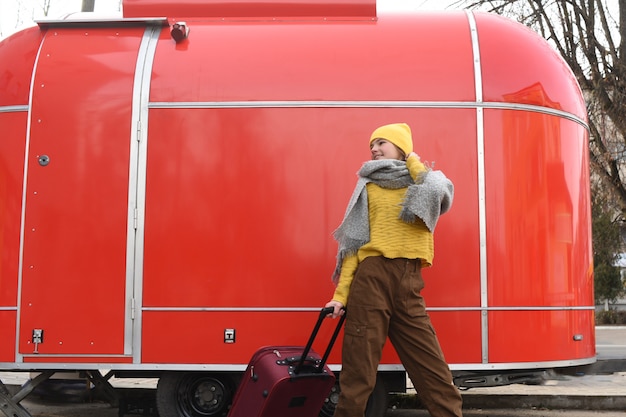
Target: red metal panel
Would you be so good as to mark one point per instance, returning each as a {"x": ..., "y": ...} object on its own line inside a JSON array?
[
  {"x": 537, "y": 336},
  {"x": 17, "y": 55},
  {"x": 76, "y": 206},
  {"x": 538, "y": 215},
  {"x": 445, "y": 139},
  {"x": 78, "y": 359},
  {"x": 251, "y": 61},
  {"x": 518, "y": 66},
  {"x": 11, "y": 184},
  {"x": 7, "y": 330},
  {"x": 241, "y": 203},
  {"x": 198, "y": 337},
  {"x": 459, "y": 334},
  {"x": 167, "y": 332},
  {"x": 252, "y": 8}
]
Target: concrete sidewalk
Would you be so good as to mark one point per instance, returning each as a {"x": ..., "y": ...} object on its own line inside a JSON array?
[
  {"x": 590, "y": 392},
  {"x": 587, "y": 392}
]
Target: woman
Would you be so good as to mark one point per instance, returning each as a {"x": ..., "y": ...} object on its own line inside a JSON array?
[{"x": 385, "y": 240}]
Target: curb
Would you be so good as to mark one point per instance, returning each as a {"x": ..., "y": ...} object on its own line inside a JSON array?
[
  {"x": 555, "y": 402},
  {"x": 513, "y": 401}
]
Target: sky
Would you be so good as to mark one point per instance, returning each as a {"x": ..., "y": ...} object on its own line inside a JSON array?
[{"x": 18, "y": 14}]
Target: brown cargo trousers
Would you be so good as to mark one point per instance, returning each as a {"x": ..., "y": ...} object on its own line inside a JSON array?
[{"x": 385, "y": 300}]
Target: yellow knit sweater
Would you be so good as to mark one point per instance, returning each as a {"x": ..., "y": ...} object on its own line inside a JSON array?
[{"x": 389, "y": 236}]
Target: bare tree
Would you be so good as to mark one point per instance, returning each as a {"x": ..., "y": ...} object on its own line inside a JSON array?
[
  {"x": 88, "y": 5},
  {"x": 46, "y": 7},
  {"x": 592, "y": 40}
]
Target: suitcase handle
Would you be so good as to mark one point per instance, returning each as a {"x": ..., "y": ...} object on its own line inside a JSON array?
[{"x": 323, "y": 313}]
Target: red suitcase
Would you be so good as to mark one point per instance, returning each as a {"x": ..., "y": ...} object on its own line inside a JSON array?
[{"x": 286, "y": 381}]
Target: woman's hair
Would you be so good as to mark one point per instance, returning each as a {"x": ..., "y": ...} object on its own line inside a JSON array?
[{"x": 402, "y": 154}]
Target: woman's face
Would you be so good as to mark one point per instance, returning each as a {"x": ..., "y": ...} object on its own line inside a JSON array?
[{"x": 383, "y": 149}]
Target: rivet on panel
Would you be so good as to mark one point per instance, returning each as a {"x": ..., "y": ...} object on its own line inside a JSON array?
[{"x": 44, "y": 160}]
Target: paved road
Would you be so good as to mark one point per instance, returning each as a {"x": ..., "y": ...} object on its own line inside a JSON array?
[
  {"x": 103, "y": 410},
  {"x": 514, "y": 413},
  {"x": 611, "y": 342}
]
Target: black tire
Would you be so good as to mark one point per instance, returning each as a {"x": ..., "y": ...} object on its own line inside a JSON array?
[
  {"x": 193, "y": 394},
  {"x": 376, "y": 405}
]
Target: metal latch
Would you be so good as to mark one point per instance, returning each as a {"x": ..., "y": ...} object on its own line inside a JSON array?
[
  {"x": 37, "y": 338},
  {"x": 229, "y": 335}
]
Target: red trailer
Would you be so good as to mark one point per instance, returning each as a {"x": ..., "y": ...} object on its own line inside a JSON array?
[{"x": 170, "y": 181}]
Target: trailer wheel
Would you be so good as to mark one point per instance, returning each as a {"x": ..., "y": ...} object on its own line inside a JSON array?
[
  {"x": 376, "y": 405},
  {"x": 193, "y": 394}
]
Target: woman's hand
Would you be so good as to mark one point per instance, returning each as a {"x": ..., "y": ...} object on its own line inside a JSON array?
[
  {"x": 337, "y": 308},
  {"x": 411, "y": 155}
]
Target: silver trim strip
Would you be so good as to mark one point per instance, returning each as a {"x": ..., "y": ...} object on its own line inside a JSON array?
[
  {"x": 234, "y": 309},
  {"x": 509, "y": 366},
  {"x": 8, "y": 308},
  {"x": 137, "y": 192},
  {"x": 13, "y": 109},
  {"x": 540, "y": 308},
  {"x": 18, "y": 357},
  {"x": 69, "y": 355},
  {"x": 363, "y": 104},
  {"x": 316, "y": 309},
  {"x": 478, "y": 77},
  {"x": 482, "y": 216}
]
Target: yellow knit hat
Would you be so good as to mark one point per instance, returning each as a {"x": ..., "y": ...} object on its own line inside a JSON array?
[{"x": 397, "y": 133}]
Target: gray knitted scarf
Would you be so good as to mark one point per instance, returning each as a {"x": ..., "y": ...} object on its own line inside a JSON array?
[{"x": 426, "y": 198}]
